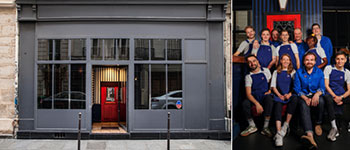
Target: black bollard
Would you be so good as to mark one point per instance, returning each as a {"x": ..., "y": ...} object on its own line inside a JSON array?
[
  {"x": 79, "y": 134},
  {"x": 168, "y": 137}
]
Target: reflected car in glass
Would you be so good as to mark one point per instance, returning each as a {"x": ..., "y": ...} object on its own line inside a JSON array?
[{"x": 174, "y": 100}]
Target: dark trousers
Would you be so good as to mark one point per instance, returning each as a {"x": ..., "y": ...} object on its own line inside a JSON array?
[
  {"x": 291, "y": 106},
  {"x": 333, "y": 108},
  {"x": 266, "y": 103},
  {"x": 306, "y": 113}
]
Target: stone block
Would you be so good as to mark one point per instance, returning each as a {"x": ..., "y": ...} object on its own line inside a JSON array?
[
  {"x": 8, "y": 30},
  {"x": 7, "y": 72},
  {"x": 6, "y": 126},
  {"x": 7, "y": 41}
]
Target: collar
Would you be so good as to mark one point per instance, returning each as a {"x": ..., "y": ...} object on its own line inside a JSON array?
[{"x": 313, "y": 70}]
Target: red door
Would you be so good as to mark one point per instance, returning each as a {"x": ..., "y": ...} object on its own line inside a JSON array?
[{"x": 109, "y": 103}]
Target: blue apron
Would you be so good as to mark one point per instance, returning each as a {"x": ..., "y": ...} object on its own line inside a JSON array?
[
  {"x": 250, "y": 49},
  {"x": 264, "y": 55},
  {"x": 288, "y": 49},
  {"x": 337, "y": 83},
  {"x": 259, "y": 86},
  {"x": 318, "y": 58},
  {"x": 283, "y": 85}
]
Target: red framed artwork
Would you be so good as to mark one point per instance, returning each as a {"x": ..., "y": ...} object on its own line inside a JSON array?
[{"x": 271, "y": 20}]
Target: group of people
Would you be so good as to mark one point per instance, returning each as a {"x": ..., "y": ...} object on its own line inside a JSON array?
[{"x": 302, "y": 77}]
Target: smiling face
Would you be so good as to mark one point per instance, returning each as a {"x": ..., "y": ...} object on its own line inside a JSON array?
[
  {"x": 253, "y": 63},
  {"x": 275, "y": 35},
  {"x": 285, "y": 61},
  {"x": 284, "y": 36},
  {"x": 340, "y": 60},
  {"x": 250, "y": 33},
  {"x": 316, "y": 30},
  {"x": 309, "y": 61},
  {"x": 265, "y": 35},
  {"x": 298, "y": 35},
  {"x": 311, "y": 42}
]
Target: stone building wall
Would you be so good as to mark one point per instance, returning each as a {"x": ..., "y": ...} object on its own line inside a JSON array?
[{"x": 8, "y": 34}]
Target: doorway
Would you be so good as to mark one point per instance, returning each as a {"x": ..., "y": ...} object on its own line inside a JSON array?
[{"x": 109, "y": 99}]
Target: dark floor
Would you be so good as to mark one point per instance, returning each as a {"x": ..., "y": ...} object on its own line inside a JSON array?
[{"x": 292, "y": 141}]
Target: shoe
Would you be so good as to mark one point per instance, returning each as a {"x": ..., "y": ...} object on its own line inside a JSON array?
[
  {"x": 284, "y": 130},
  {"x": 267, "y": 132},
  {"x": 311, "y": 144},
  {"x": 278, "y": 139},
  {"x": 249, "y": 130},
  {"x": 318, "y": 130},
  {"x": 333, "y": 134}
]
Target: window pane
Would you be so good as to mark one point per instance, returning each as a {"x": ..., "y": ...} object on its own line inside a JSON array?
[
  {"x": 44, "y": 89},
  {"x": 78, "y": 49},
  {"x": 61, "y": 87},
  {"x": 241, "y": 20},
  {"x": 174, "y": 49},
  {"x": 61, "y": 50},
  {"x": 158, "y": 49},
  {"x": 141, "y": 86},
  {"x": 123, "y": 49},
  {"x": 45, "y": 49},
  {"x": 109, "y": 49},
  {"x": 158, "y": 87},
  {"x": 96, "y": 52},
  {"x": 77, "y": 87},
  {"x": 141, "y": 49},
  {"x": 175, "y": 87}
]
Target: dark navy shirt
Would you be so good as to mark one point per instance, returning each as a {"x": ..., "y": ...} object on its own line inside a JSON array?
[{"x": 308, "y": 84}]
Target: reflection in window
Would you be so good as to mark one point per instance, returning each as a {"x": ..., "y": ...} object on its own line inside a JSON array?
[
  {"x": 158, "y": 86},
  {"x": 61, "y": 86},
  {"x": 109, "y": 49},
  {"x": 96, "y": 52},
  {"x": 158, "y": 49},
  {"x": 44, "y": 86},
  {"x": 175, "y": 87},
  {"x": 123, "y": 49},
  {"x": 61, "y": 50},
  {"x": 78, "y": 49},
  {"x": 45, "y": 49},
  {"x": 174, "y": 49},
  {"x": 141, "y": 86},
  {"x": 141, "y": 49},
  {"x": 77, "y": 86}
]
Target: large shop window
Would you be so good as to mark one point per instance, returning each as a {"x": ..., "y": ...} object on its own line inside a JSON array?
[
  {"x": 158, "y": 85},
  {"x": 110, "y": 49},
  {"x": 61, "y": 85}
]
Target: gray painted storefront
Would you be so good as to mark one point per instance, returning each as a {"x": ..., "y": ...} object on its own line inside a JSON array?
[{"x": 198, "y": 23}]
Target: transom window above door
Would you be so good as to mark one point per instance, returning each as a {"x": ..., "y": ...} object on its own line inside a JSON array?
[
  {"x": 158, "y": 49},
  {"x": 110, "y": 49}
]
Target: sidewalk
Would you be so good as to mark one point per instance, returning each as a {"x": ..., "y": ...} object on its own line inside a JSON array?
[{"x": 200, "y": 144}]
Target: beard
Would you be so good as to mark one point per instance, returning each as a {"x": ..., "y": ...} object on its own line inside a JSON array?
[{"x": 253, "y": 67}]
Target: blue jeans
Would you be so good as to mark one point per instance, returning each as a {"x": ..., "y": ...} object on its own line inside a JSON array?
[{"x": 306, "y": 113}]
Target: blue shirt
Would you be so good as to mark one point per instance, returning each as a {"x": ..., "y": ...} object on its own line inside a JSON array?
[
  {"x": 326, "y": 44},
  {"x": 308, "y": 84},
  {"x": 302, "y": 48}
]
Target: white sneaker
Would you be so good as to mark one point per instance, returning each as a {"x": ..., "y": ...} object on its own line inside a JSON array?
[
  {"x": 278, "y": 139},
  {"x": 284, "y": 130},
  {"x": 333, "y": 134}
]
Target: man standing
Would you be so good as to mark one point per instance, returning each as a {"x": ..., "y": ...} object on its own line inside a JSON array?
[
  {"x": 309, "y": 85},
  {"x": 323, "y": 42},
  {"x": 275, "y": 38},
  {"x": 298, "y": 40},
  {"x": 246, "y": 46},
  {"x": 258, "y": 94}
]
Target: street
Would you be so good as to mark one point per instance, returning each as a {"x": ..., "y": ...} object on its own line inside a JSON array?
[{"x": 193, "y": 144}]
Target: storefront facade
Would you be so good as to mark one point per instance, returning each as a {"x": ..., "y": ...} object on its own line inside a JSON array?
[{"x": 125, "y": 61}]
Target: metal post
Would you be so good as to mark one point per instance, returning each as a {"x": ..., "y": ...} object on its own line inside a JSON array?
[
  {"x": 79, "y": 134},
  {"x": 168, "y": 137}
]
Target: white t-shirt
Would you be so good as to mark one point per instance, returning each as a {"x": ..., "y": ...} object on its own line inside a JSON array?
[{"x": 249, "y": 80}]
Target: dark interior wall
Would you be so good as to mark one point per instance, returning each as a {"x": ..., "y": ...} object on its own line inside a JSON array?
[{"x": 310, "y": 10}]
